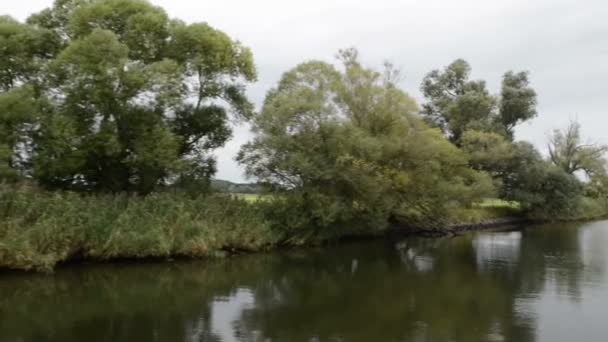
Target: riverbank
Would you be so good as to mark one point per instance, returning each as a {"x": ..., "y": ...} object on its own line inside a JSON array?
[
  {"x": 39, "y": 230},
  {"x": 461, "y": 227},
  {"x": 451, "y": 229}
]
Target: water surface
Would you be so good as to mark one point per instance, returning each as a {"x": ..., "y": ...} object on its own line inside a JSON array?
[{"x": 546, "y": 283}]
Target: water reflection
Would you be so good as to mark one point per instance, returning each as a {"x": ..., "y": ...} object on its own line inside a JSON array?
[
  {"x": 497, "y": 249},
  {"x": 535, "y": 284},
  {"x": 224, "y": 314}
]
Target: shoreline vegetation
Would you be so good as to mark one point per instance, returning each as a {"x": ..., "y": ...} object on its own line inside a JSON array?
[
  {"x": 110, "y": 112},
  {"x": 40, "y": 230}
]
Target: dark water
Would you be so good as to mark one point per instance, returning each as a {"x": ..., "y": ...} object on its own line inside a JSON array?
[{"x": 535, "y": 284}]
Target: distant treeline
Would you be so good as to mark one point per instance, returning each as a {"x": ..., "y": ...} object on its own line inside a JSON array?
[
  {"x": 219, "y": 185},
  {"x": 107, "y": 98}
]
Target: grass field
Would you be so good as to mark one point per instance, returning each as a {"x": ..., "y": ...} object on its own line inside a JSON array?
[
  {"x": 498, "y": 203},
  {"x": 487, "y": 203},
  {"x": 252, "y": 197}
]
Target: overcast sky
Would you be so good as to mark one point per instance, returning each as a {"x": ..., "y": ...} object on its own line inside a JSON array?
[{"x": 562, "y": 43}]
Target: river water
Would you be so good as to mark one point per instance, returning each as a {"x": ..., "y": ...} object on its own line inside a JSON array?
[{"x": 543, "y": 283}]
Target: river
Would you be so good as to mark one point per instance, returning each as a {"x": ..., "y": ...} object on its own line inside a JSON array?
[{"x": 537, "y": 283}]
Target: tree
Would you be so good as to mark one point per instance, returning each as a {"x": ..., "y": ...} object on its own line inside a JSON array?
[
  {"x": 524, "y": 162},
  {"x": 487, "y": 151},
  {"x": 16, "y": 108},
  {"x": 23, "y": 50},
  {"x": 542, "y": 189},
  {"x": 133, "y": 99},
  {"x": 348, "y": 150},
  {"x": 597, "y": 187},
  {"x": 569, "y": 154},
  {"x": 456, "y": 104},
  {"x": 517, "y": 101}
]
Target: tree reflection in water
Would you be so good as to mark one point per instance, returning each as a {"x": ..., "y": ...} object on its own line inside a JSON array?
[{"x": 490, "y": 286}]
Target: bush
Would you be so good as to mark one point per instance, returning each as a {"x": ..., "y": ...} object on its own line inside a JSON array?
[{"x": 592, "y": 208}]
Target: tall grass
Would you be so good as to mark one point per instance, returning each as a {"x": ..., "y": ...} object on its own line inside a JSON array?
[{"x": 40, "y": 229}]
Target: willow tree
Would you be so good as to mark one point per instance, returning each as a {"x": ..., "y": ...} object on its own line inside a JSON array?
[
  {"x": 345, "y": 146},
  {"x": 568, "y": 152},
  {"x": 126, "y": 98},
  {"x": 479, "y": 122},
  {"x": 23, "y": 52},
  {"x": 456, "y": 104}
]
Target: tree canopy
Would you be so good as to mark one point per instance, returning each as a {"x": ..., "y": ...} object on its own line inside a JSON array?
[
  {"x": 113, "y": 95},
  {"x": 117, "y": 96},
  {"x": 569, "y": 153},
  {"x": 347, "y": 141},
  {"x": 455, "y": 103}
]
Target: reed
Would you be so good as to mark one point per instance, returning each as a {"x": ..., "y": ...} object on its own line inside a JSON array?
[{"x": 41, "y": 229}]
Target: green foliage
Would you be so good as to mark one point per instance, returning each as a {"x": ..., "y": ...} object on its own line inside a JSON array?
[
  {"x": 517, "y": 101},
  {"x": 482, "y": 124},
  {"x": 23, "y": 50},
  {"x": 40, "y": 229},
  {"x": 56, "y": 18},
  {"x": 547, "y": 192},
  {"x": 542, "y": 190},
  {"x": 512, "y": 165},
  {"x": 482, "y": 213},
  {"x": 456, "y": 104},
  {"x": 346, "y": 147},
  {"x": 487, "y": 151},
  {"x": 597, "y": 187},
  {"x": 133, "y": 100},
  {"x": 114, "y": 96},
  {"x": 592, "y": 208},
  {"x": 16, "y": 118},
  {"x": 570, "y": 154}
]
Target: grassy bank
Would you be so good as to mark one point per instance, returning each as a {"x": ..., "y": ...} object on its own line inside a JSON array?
[{"x": 40, "y": 229}]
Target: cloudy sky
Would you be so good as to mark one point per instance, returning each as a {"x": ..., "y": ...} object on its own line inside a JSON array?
[{"x": 562, "y": 43}]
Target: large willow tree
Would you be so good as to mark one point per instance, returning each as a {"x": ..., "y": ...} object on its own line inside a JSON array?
[
  {"x": 113, "y": 95},
  {"x": 456, "y": 104},
  {"x": 346, "y": 146}
]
